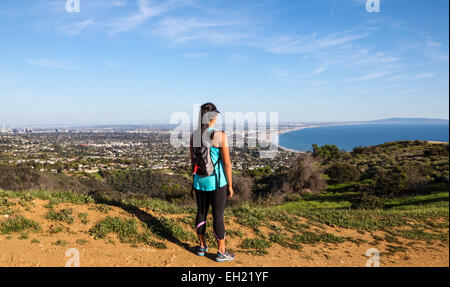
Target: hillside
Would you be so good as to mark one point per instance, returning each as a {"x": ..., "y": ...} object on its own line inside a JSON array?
[
  {"x": 37, "y": 228},
  {"x": 326, "y": 210}
]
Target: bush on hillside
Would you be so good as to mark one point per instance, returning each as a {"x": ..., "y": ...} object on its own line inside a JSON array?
[
  {"x": 368, "y": 202},
  {"x": 437, "y": 150},
  {"x": 306, "y": 174},
  {"x": 23, "y": 177},
  {"x": 325, "y": 152},
  {"x": 304, "y": 177},
  {"x": 341, "y": 172},
  {"x": 258, "y": 173},
  {"x": 391, "y": 182},
  {"x": 148, "y": 182},
  {"x": 416, "y": 180},
  {"x": 19, "y": 177},
  {"x": 242, "y": 187},
  {"x": 359, "y": 150}
]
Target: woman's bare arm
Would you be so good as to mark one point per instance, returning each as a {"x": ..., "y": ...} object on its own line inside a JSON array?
[
  {"x": 225, "y": 153},
  {"x": 191, "y": 151}
]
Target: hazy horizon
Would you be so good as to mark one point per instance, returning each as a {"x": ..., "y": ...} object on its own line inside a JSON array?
[{"x": 77, "y": 125}]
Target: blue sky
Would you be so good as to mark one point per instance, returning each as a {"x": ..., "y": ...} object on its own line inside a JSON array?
[{"x": 138, "y": 61}]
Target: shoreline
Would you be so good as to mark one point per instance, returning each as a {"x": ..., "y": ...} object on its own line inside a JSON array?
[{"x": 280, "y": 132}]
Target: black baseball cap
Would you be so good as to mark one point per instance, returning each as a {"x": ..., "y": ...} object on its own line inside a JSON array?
[{"x": 208, "y": 108}]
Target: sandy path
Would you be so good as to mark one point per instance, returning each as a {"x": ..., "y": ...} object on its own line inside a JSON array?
[
  {"x": 17, "y": 252},
  {"x": 22, "y": 252}
]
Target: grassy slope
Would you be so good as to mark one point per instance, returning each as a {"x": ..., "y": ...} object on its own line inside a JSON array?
[
  {"x": 313, "y": 219},
  {"x": 294, "y": 225}
]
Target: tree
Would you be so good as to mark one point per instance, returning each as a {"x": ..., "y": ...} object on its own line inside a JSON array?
[
  {"x": 242, "y": 187},
  {"x": 325, "y": 152},
  {"x": 304, "y": 176},
  {"x": 341, "y": 172},
  {"x": 391, "y": 182}
]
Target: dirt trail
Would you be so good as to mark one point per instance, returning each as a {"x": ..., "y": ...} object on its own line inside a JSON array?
[{"x": 39, "y": 248}]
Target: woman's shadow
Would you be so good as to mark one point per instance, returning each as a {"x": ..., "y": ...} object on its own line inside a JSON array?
[{"x": 153, "y": 223}]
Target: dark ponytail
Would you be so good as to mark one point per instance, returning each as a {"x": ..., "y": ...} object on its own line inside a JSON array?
[{"x": 207, "y": 112}]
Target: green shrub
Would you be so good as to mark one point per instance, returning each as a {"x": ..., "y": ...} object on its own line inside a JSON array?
[
  {"x": 83, "y": 217},
  {"x": 305, "y": 176},
  {"x": 64, "y": 215},
  {"x": 18, "y": 177},
  {"x": 242, "y": 187},
  {"x": 341, "y": 172},
  {"x": 149, "y": 182},
  {"x": 18, "y": 224},
  {"x": 61, "y": 243},
  {"x": 126, "y": 230},
  {"x": 325, "y": 152},
  {"x": 437, "y": 150},
  {"x": 367, "y": 201},
  {"x": 255, "y": 243},
  {"x": 392, "y": 182}
]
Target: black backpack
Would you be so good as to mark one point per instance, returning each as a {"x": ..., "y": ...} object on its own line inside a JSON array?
[{"x": 203, "y": 165}]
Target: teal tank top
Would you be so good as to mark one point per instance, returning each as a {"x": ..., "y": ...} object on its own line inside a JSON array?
[{"x": 208, "y": 183}]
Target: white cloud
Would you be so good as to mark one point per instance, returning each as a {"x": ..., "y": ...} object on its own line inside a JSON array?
[
  {"x": 77, "y": 27},
  {"x": 318, "y": 70},
  {"x": 144, "y": 13},
  {"x": 51, "y": 63},
  {"x": 404, "y": 92},
  {"x": 236, "y": 58},
  {"x": 369, "y": 58},
  {"x": 195, "y": 55},
  {"x": 119, "y": 3},
  {"x": 425, "y": 76},
  {"x": 434, "y": 44},
  {"x": 311, "y": 43},
  {"x": 398, "y": 77},
  {"x": 189, "y": 29},
  {"x": 110, "y": 64},
  {"x": 280, "y": 73},
  {"x": 352, "y": 58},
  {"x": 342, "y": 50},
  {"x": 370, "y": 76}
]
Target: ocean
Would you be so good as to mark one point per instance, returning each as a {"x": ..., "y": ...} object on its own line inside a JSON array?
[{"x": 350, "y": 136}]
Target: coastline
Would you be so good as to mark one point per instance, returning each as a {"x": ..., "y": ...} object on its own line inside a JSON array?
[
  {"x": 280, "y": 132},
  {"x": 283, "y": 131}
]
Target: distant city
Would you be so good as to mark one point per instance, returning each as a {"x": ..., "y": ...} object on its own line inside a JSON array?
[{"x": 92, "y": 149}]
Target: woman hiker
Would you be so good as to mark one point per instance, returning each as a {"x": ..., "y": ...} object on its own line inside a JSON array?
[{"x": 212, "y": 180}]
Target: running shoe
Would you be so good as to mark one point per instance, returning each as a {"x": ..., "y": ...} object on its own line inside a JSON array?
[
  {"x": 201, "y": 250},
  {"x": 227, "y": 256}
]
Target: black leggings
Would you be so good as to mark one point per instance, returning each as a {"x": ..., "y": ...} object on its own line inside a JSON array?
[{"x": 217, "y": 199}]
